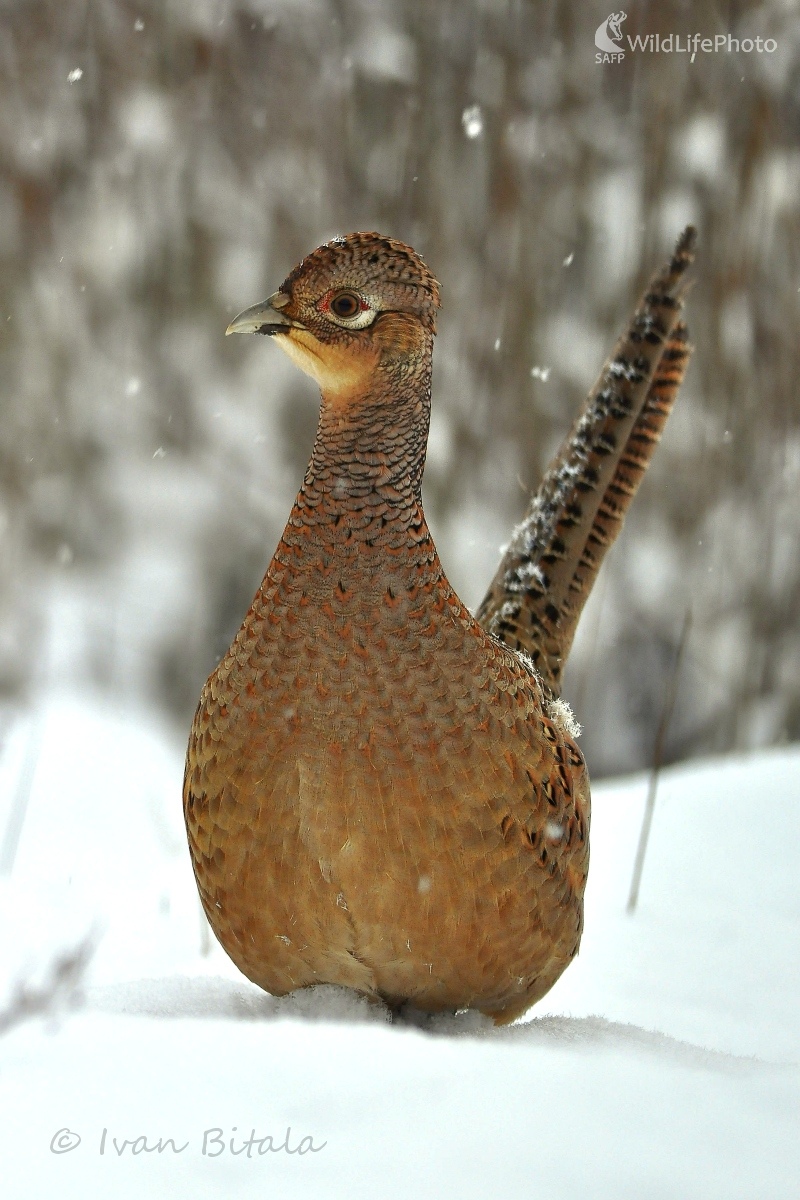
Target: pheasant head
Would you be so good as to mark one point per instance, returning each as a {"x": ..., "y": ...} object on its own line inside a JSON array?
[{"x": 357, "y": 305}]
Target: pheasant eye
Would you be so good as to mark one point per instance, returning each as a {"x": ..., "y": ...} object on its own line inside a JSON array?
[{"x": 346, "y": 305}]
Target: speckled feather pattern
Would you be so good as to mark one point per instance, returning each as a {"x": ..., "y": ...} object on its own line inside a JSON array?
[
  {"x": 373, "y": 263},
  {"x": 377, "y": 793},
  {"x": 552, "y": 560}
]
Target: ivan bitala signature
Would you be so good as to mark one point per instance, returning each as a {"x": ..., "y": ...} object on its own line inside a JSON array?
[{"x": 213, "y": 1143}]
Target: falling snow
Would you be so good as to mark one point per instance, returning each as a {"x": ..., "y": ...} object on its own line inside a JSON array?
[{"x": 472, "y": 120}]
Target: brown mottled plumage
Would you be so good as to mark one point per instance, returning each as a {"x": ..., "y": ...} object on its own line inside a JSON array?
[{"x": 380, "y": 793}]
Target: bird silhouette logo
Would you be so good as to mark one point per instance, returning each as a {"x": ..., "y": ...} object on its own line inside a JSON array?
[{"x": 609, "y": 34}]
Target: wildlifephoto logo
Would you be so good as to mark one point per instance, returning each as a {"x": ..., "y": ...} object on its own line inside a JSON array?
[
  {"x": 608, "y": 39},
  {"x": 611, "y": 43}
]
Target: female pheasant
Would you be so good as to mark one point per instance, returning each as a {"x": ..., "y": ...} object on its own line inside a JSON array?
[{"x": 381, "y": 790}]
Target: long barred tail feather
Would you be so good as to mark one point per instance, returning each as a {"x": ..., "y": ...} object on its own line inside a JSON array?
[{"x": 551, "y": 563}]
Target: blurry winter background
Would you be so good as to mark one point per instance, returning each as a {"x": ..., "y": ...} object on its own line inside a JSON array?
[{"x": 163, "y": 165}]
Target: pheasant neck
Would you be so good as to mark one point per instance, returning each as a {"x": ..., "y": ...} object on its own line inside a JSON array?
[
  {"x": 366, "y": 467},
  {"x": 357, "y": 533}
]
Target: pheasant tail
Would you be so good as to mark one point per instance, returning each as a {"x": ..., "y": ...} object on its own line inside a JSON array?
[{"x": 551, "y": 563}]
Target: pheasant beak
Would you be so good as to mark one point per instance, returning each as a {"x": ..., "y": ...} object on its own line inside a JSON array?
[
  {"x": 265, "y": 317},
  {"x": 337, "y": 370}
]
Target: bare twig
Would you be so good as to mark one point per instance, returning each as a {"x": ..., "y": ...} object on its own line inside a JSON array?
[
  {"x": 205, "y": 934},
  {"x": 658, "y": 755},
  {"x": 59, "y": 991},
  {"x": 22, "y": 794}
]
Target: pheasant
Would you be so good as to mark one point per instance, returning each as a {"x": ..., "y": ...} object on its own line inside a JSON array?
[{"x": 383, "y": 791}]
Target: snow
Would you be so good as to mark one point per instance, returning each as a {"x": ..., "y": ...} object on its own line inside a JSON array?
[
  {"x": 703, "y": 147},
  {"x": 386, "y": 54},
  {"x": 472, "y": 120},
  {"x": 663, "y": 1064}
]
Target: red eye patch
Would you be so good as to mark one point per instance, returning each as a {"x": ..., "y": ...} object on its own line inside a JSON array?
[{"x": 344, "y": 304}]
